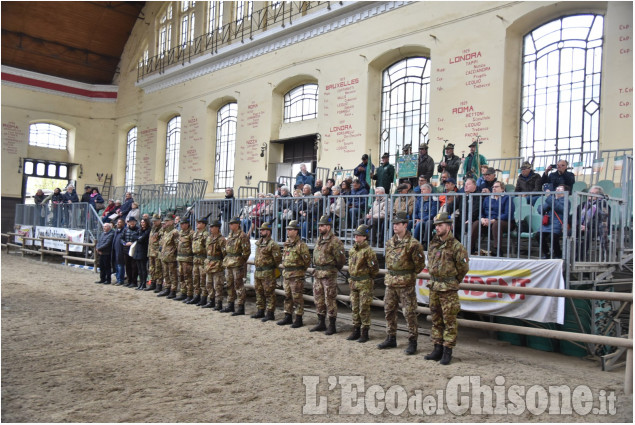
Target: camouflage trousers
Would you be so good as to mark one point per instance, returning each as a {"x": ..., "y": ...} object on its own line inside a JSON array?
[
  {"x": 361, "y": 299},
  {"x": 199, "y": 276},
  {"x": 324, "y": 293},
  {"x": 185, "y": 278},
  {"x": 214, "y": 285},
  {"x": 265, "y": 293},
  {"x": 408, "y": 299},
  {"x": 235, "y": 284},
  {"x": 156, "y": 270},
  {"x": 169, "y": 275},
  {"x": 445, "y": 306},
  {"x": 293, "y": 290}
]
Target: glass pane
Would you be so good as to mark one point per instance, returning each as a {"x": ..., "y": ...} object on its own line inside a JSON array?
[
  {"x": 28, "y": 167},
  {"x": 52, "y": 170},
  {"x": 40, "y": 169},
  {"x": 63, "y": 171}
]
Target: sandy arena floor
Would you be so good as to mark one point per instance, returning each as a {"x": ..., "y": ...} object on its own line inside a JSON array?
[{"x": 75, "y": 351}]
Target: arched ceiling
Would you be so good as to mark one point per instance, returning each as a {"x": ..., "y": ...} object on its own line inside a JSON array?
[{"x": 80, "y": 41}]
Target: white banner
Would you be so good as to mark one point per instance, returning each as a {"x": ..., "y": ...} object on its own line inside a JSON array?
[
  {"x": 513, "y": 272},
  {"x": 26, "y": 231},
  {"x": 59, "y": 232}
]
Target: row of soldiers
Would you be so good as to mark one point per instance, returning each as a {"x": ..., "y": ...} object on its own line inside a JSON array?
[{"x": 206, "y": 260}]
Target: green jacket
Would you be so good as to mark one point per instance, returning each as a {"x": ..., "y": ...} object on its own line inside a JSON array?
[
  {"x": 448, "y": 263},
  {"x": 385, "y": 175},
  {"x": 404, "y": 260}
]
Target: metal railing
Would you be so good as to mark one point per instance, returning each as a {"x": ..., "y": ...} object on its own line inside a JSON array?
[
  {"x": 275, "y": 15},
  {"x": 608, "y": 169},
  {"x": 77, "y": 216}
]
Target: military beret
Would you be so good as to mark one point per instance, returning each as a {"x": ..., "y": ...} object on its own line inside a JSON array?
[
  {"x": 265, "y": 226},
  {"x": 442, "y": 218},
  {"x": 400, "y": 217},
  {"x": 325, "y": 219},
  {"x": 234, "y": 220},
  {"x": 361, "y": 231},
  {"x": 293, "y": 225}
]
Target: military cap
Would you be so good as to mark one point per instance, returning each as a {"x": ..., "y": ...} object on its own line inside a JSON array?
[
  {"x": 202, "y": 220},
  {"x": 472, "y": 145},
  {"x": 365, "y": 156},
  {"x": 325, "y": 219},
  {"x": 184, "y": 221},
  {"x": 235, "y": 220},
  {"x": 423, "y": 146},
  {"x": 168, "y": 217},
  {"x": 400, "y": 217},
  {"x": 156, "y": 217},
  {"x": 215, "y": 223},
  {"x": 442, "y": 218},
  {"x": 361, "y": 231},
  {"x": 490, "y": 170},
  {"x": 449, "y": 180},
  {"x": 293, "y": 225},
  {"x": 407, "y": 147},
  {"x": 386, "y": 155},
  {"x": 265, "y": 226},
  {"x": 449, "y": 146},
  {"x": 526, "y": 166}
]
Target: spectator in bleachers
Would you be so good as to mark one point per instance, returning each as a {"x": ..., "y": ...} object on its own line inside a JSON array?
[
  {"x": 376, "y": 217},
  {"x": 495, "y": 215},
  {"x": 145, "y": 216},
  {"x": 325, "y": 191},
  {"x": 404, "y": 203},
  {"x": 462, "y": 222},
  {"x": 112, "y": 211},
  {"x": 245, "y": 216},
  {"x": 310, "y": 215},
  {"x": 70, "y": 197},
  {"x": 528, "y": 180},
  {"x": 425, "y": 167},
  {"x": 481, "y": 180},
  {"x": 86, "y": 194},
  {"x": 593, "y": 219},
  {"x": 345, "y": 188},
  {"x": 489, "y": 178},
  {"x": 57, "y": 199},
  {"x": 349, "y": 182},
  {"x": 560, "y": 176},
  {"x": 266, "y": 212},
  {"x": 338, "y": 207},
  {"x": 318, "y": 186},
  {"x": 425, "y": 210},
  {"x": 284, "y": 192},
  {"x": 118, "y": 255},
  {"x": 126, "y": 206},
  {"x": 446, "y": 203},
  {"x": 469, "y": 165},
  {"x": 40, "y": 208},
  {"x": 357, "y": 204},
  {"x": 96, "y": 200},
  {"x": 227, "y": 206},
  {"x": 552, "y": 210},
  {"x": 422, "y": 180},
  {"x": 134, "y": 212},
  {"x": 450, "y": 162},
  {"x": 384, "y": 175},
  {"x": 361, "y": 171},
  {"x": 304, "y": 177}
]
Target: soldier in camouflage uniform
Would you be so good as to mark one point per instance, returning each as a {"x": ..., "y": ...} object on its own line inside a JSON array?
[
  {"x": 295, "y": 260},
  {"x": 328, "y": 258},
  {"x": 404, "y": 260},
  {"x": 199, "y": 246},
  {"x": 216, "y": 244},
  {"x": 169, "y": 244},
  {"x": 237, "y": 253},
  {"x": 185, "y": 258},
  {"x": 268, "y": 258},
  {"x": 156, "y": 271},
  {"x": 448, "y": 263},
  {"x": 362, "y": 267}
]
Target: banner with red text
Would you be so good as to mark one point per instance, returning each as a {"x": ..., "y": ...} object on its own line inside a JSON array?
[
  {"x": 26, "y": 231},
  {"x": 60, "y": 232},
  {"x": 516, "y": 272}
]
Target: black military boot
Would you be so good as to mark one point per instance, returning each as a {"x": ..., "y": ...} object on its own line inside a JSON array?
[
  {"x": 194, "y": 300},
  {"x": 219, "y": 305},
  {"x": 436, "y": 353},
  {"x": 210, "y": 303},
  {"x": 412, "y": 347},
  {"x": 172, "y": 295},
  {"x": 288, "y": 319},
  {"x": 152, "y": 287},
  {"x": 320, "y": 325},
  {"x": 269, "y": 315},
  {"x": 259, "y": 314},
  {"x": 354, "y": 335},
  {"x": 331, "y": 328},
  {"x": 298, "y": 321},
  {"x": 240, "y": 311},
  {"x": 364, "y": 335},
  {"x": 164, "y": 293},
  {"x": 159, "y": 288},
  {"x": 203, "y": 301},
  {"x": 131, "y": 285},
  {"x": 389, "y": 342},
  {"x": 140, "y": 286},
  {"x": 229, "y": 308},
  {"x": 181, "y": 297},
  {"x": 447, "y": 356}
]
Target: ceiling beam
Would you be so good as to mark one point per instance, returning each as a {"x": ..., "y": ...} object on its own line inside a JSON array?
[{"x": 109, "y": 6}]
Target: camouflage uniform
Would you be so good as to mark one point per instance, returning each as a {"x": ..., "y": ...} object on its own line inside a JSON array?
[
  {"x": 448, "y": 264},
  {"x": 404, "y": 260},
  {"x": 169, "y": 243},
  {"x": 199, "y": 245},
  {"x": 328, "y": 258},
  {"x": 362, "y": 267},
  {"x": 295, "y": 260},
  {"x": 154, "y": 244},
  {"x": 214, "y": 266},
  {"x": 268, "y": 258},
  {"x": 238, "y": 251},
  {"x": 185, "y": 258}
]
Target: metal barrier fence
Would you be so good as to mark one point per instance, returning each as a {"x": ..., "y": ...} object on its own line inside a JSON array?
[
  {"x": 608, "y": 169},
  {"x": 76, "y": 216}
]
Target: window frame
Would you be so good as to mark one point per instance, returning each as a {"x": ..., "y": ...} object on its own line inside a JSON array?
[
  {"x": 172, "y": 150},
  {"x": 226, "y": 127},
  {"x": 131, "y": 158},
  {"x": 47, "y": 133},
  {"x": 304, "y": 97}
]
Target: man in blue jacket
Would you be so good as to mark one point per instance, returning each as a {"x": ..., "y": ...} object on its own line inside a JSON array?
[
  {"x": 126, "y": 206},
  {"x": 104, "y": 249},
  {"x": 496, "y": 212},
  {"x": 360, "y": 172},
  {"x": 304, "y": 177},
  {"x": 69, "y": 197},
  {"x": 425, "y": 211},
  {"x": 560, "y": 177},
  {"x": 357, "y": 204}
]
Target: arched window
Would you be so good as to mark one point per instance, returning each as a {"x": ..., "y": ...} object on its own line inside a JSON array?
[
  {"x": 172, "y": 149},
  {"x": 214, "y": 16},
  {"x": 405, "y": 105},
  {"x": 187, "y": 22},
  {"x": 46, "y": 135},
  {"x": 225, "y": 146},
  {"x": 562, "y": 70},
  {"x": 301, "y": 103},
  {"x": 131, "y": 158},
  {"x": 165, "y": 31}
]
